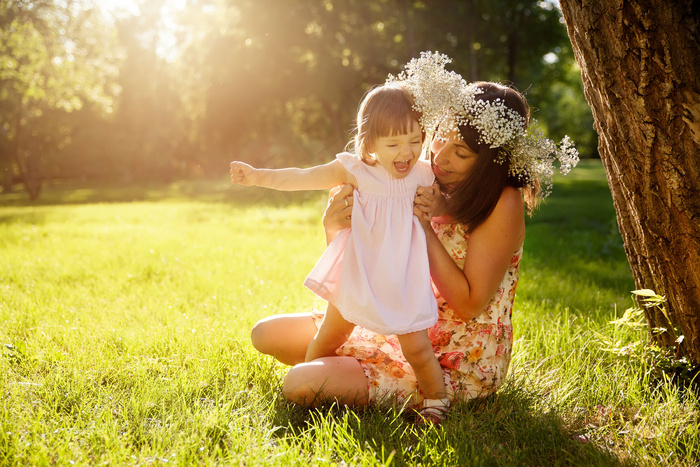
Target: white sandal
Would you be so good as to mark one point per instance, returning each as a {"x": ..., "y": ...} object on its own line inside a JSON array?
[{"x": 433, "y": 411}]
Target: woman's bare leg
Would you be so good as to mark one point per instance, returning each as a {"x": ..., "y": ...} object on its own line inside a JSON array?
[
  {"x": 332, "y": 333},
  {"x": 418, "y": 351},
  {"x": 285, "y": 337},
  {"x": 324, "y": 379}
]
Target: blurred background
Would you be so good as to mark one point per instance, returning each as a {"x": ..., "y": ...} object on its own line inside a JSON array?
[{"x": 126, "y": 91}]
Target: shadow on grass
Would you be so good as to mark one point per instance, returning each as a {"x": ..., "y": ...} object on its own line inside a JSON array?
[
  {"x": 504, "y": 429},
  {"x": 214, "y": 191},
  {"x": 15, "y": 217},
  {"x": 574, "y": 255}
]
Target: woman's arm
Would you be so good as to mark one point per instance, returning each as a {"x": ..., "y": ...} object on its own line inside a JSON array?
[
  {"x": 491, "y": 247},
  {"x": 320, "y": 177}
]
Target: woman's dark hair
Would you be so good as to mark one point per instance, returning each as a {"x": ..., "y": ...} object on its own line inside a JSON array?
[{"x": 473, "y": 199}]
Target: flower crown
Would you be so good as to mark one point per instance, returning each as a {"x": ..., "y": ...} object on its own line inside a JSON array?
[{"x": 446, "y": 101}]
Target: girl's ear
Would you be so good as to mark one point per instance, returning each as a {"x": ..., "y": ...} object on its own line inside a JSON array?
[
  {"x": 370, "y": 151},
  {"x": 368, "y": 156}
]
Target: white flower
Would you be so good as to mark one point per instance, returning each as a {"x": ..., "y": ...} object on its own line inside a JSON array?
[{"x": 446, "y": 101}]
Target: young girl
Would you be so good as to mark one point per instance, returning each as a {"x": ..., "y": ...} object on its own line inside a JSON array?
[{"x": 375, "y": 274}]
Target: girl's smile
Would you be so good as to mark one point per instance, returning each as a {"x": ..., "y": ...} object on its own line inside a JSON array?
[
  {"x": 399, "y": 153},
  {"x": 403, "y": 166}
]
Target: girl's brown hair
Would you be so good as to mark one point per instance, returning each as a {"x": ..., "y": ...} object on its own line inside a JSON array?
[
  {"x": 384, "y": 111},
  {"x": 473, "y": 199}
]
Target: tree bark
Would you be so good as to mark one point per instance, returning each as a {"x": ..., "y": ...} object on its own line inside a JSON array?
[{"x": 640, "y": 64}]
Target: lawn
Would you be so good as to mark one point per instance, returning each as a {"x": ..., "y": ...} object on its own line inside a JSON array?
[{"x": 125, "y": 314}]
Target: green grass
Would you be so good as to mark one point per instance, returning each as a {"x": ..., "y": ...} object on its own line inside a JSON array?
[{"x": 125, "y": 315}]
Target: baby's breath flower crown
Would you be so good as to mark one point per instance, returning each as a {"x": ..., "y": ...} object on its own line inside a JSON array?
[{"x": 446, "y": 101}]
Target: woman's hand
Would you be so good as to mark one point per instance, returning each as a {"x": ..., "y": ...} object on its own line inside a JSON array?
[
  {"x": 428, "y": 203},
  {"x": 338, "y": 211}
]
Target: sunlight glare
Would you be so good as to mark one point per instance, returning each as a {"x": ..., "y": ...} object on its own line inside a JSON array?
[
  {"x": 166, "y": 27},
  {"x": 119, "y": 8}
]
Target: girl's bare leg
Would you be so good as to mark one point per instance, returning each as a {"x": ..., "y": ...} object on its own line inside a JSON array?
[
  {"x": 285, "y": 337},
  {"x": 418, "y": 350},
  {"x": 329, "y": 378},
  {"x": 332, "y": 333}
]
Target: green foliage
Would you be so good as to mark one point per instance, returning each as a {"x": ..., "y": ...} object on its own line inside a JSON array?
[
  {"x": 661, "y": 363},
  {"x": 182, "y": 88},
  {"x": 125, "y": 316},
  {"x": 559, "y": 104},
  {"x": 55, "y": 58}
]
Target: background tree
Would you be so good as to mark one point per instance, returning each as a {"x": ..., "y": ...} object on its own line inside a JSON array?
[
  {"x": 188, "y": 85},
  {"x": 283, "y": 86},
  {"x": 52, "y": 61},
  {"x": 640, "y": 63}
]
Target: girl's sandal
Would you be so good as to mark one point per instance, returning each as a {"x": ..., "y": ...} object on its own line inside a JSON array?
[{"x": 433, "y": 411}]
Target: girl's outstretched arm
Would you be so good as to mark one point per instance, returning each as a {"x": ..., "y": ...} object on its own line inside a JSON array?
[{"x": 320, "y": 177}]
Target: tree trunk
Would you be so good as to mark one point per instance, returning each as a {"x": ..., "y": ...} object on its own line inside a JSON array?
[
  {"x": 514, "y": 19},
  {"x": 334, "y": 116},
  {"x": 408, "y": 21},
  {"x": 640, "y": 64},
  {"x": 26, "y": 163}
]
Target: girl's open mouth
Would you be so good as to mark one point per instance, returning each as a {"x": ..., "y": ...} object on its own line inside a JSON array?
[{"x": 402, "y": 166}]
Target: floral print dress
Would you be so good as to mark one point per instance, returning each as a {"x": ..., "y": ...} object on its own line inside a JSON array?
[{"x": 474, "y": 355}]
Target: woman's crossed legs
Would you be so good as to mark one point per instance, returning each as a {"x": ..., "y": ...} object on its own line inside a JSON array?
[{"x": 287, "y": 338}]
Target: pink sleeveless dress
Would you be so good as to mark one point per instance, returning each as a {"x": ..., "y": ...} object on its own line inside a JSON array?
[
  {"x": 474, "y": 355},
  {"x": 377, "y": 272}
]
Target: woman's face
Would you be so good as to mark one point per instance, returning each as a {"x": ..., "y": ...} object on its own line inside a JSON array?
[{"x": 452, "y": 160}]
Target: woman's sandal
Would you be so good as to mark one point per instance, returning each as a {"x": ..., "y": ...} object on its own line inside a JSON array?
[{"x": 433, "y": 411}]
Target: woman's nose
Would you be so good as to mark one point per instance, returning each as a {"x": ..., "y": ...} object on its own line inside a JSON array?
[{"x": 438, "y": 154}]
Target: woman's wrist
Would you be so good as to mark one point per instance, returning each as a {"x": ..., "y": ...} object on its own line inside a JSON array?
[
  {"x": 330, "y": 235},
  {"x": 427, "y": 226}
]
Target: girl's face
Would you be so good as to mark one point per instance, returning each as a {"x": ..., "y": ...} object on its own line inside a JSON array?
[
  {"x": 398, "y": 153},
  {"x": 452, "y": 160}
]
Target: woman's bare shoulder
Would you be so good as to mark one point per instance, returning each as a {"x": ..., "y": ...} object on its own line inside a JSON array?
[
  {"x": 511, "y": 200},
  {"x": 508, "y": 217}
]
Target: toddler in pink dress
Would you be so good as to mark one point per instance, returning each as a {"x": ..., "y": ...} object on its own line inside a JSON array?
[{"x": 375, "y": 274}]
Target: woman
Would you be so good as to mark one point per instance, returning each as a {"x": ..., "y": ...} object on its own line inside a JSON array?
[{"x": 475, "y": 227}]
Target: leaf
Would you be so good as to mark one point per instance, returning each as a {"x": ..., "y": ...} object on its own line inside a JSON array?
[
  {"x": 21, "y": 347},
  {"x": 644, "y": 292}
]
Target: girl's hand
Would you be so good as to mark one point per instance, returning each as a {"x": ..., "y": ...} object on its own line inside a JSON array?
[
  {"x": 338, "y": 211},
  {"x": 242, "y": 173},
  {"x": 428, "y": 203}
]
